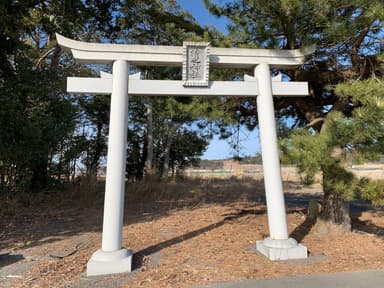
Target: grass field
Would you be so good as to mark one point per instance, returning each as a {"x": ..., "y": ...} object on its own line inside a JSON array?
[{"x": 288, "y": 173}]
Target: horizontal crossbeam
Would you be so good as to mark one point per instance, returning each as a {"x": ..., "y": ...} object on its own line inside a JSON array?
[{"x": 175, "y": 88}]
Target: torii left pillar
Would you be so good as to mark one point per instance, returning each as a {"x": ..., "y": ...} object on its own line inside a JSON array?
[{"x": 112, "y": 257}]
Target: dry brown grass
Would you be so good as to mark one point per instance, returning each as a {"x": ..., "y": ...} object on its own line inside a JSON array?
[
  {"x": 183, "y": 233},
  {"x": 194, "y": 190}
]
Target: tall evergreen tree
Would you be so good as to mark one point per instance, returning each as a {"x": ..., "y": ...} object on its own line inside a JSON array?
[
  {"x": 37, "y": 116},
  {"x": 348, "y": 35}
]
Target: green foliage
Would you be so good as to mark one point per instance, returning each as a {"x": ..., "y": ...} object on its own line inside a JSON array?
[
  {"x": 174, "y": 120},
  {"x": 156, "y": 22},
  {"x": 291, "y": 24},
  {"x": 347, "y": 35},
  {"x": 271, "y": 23},
  {"x": 175, "y": 143},
  {"x": 96, "y": 110},
  {"x": 360, "y": 136},
  {"x": 306, "y": 151},
  {"x": 47, "y": 135},
  {"x": 372, "y": 191},
  {"x": 38, "y": 120},
  {"x": 188, "y": 146},
  {"x": 362, "y": 133},
  {"x": 34, "y": 118}
]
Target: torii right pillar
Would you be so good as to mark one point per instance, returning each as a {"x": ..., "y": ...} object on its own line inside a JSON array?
[{"x": 278, "y": 246}]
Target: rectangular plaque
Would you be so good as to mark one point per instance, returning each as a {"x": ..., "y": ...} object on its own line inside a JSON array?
[{"x": 195, "y": 64}]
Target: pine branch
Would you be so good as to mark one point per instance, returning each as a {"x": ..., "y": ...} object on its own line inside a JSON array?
[{"x": 315, "y": 121}]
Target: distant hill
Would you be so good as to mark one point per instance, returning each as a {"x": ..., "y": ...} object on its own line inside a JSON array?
[
  {"x": 210, "y": 164},
  {"x": 219, "y": 164}
]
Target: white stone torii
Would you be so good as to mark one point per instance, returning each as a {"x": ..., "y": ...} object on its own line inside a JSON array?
[{"x": 195, "y": 58}]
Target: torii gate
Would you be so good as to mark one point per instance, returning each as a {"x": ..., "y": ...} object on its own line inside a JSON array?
[{"x": 195, "y": 58}]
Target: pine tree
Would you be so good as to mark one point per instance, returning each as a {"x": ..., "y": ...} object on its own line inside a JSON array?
[
  {"x": 348, "y": 35},
  {"x": 358, "y": 137}
]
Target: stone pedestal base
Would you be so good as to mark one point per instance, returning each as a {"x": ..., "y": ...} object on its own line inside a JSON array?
[
  {"x": 102, "y": 263},
  {"x": 281, "y": 249}
]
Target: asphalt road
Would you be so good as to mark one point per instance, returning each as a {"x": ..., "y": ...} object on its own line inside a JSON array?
[{"x": 361, "y": 279}]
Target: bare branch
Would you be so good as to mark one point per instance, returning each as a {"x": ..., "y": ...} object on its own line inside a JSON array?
[
  {"x": 44, "y": 56},
  {"x": 315, "y": 121}
]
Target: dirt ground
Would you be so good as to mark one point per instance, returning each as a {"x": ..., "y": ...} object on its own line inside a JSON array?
[{"x": 192, "y": 232}]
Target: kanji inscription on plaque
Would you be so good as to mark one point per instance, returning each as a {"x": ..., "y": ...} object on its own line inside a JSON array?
[{"x": 195, "y": 64}]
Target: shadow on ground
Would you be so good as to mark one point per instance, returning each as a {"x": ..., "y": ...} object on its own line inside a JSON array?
[
  {"x": 8, "y": 259},
  {"x": 366, "y": 226},
  {"x": 356, "y": 209},
  {"x": 140, "y": 256}
]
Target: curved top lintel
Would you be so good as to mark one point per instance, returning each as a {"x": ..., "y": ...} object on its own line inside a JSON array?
[
  {"x": 69, "y": 44},
  {"x": 173, "y": 55}
]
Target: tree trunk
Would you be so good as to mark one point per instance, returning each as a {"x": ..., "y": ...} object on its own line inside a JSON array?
[
  {"x": 149, "y": 171},
  {"x": 173, "y": 169},
  {"x": 39, "y": 175},
  {"x": 167, "y": 154},
  {"x": 73, "y": 174},
  {"x": 336, "y": 210},
  {"x": 96, "y": 153},
  {"x": 59, "y": 169},
  {"x": 2, "y": 181},
  {"x": 334, "y": 215}
]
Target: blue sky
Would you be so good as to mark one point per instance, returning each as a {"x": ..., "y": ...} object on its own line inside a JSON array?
[
  {"x": 220, "y": 149},
  {"x": 249, "y": 141},
  {"x": 201, "y": 14}
]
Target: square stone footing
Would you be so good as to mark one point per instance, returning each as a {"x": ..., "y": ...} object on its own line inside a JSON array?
[
  {"x": 102, "y": 263},
  {"x": 281, "y": 249}
]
